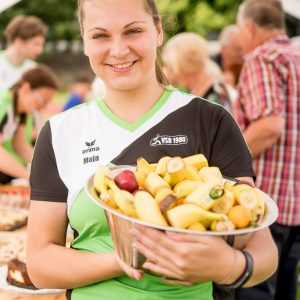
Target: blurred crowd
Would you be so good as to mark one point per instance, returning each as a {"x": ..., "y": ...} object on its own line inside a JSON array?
[{"x": 255, "y": 76}]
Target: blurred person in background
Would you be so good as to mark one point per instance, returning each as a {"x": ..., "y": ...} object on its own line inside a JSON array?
[
  {"x": 187, "y": 65},
  {"x": 230, "y": 58},
  {"x": 32, "y": 92},
  {"x": 268, "y": 113},
  {"x": 25, "y": 37},
  {"x": 79, "y": 89}
]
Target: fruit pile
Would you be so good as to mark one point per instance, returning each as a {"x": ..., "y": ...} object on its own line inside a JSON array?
[{"x": 184, "y": 193}]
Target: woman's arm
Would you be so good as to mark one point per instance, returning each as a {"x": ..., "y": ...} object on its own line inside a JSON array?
[
  {"x": 9, "y": 166},
  {"x": 22, "y": 148},
  {"x": 198, "y": 258},
  {"x": 52, "y": 265},
  {"x": 265, "y": 255}
]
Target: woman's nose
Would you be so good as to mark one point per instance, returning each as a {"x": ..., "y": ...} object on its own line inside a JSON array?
[{"x": 119, "y": 48}]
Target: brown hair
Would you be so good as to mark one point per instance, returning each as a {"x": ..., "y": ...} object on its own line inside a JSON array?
[
  {"x": 25, "y": 28},
  {"x": 38, "y": 77},
  {"x": 264, "y": 13},
  {"x": 151, "y": 8}
]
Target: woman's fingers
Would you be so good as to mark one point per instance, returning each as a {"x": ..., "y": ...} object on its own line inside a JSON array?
[
  {"x": 156, "y": 255},
  {"x": 160, "y": 270},
  {"x": 131, "y": 272}
]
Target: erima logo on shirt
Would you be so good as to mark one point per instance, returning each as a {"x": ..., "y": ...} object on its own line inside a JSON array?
[
  {"x": 171, "y": 140},
  {"x": 90, "y": 148}
]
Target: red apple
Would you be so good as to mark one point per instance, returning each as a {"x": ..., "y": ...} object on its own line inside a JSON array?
[{"x": 126, "y": 180}]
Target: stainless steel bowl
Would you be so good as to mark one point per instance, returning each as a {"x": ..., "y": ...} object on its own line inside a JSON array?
[{"x": 120, "y": 225}]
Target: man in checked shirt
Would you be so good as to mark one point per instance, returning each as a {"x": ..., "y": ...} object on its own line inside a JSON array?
[{"x": 268, "y": 111}]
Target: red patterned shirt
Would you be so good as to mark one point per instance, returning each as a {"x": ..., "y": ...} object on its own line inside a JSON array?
[{"x": 270, "y": 85}]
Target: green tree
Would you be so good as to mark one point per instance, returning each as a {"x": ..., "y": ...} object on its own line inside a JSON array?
[
  {"x": 59, "y": 15},
  {"x": 206, "y": 17}
]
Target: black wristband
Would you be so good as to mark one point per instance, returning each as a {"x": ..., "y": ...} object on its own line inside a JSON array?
[{"x": 244, "y": 276}]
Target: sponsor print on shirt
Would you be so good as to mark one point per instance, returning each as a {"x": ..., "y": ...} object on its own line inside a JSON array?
[
  {"x": 90, "y": 153},
  {"x": 171, "y": 140}
]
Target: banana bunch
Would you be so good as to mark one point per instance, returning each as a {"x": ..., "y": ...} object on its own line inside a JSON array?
[{"x": 184, "y": 193}]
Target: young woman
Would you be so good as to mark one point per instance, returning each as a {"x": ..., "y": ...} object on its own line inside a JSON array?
[
  {"x": 121, "y": 40},
  {"x": 35, "y": 89}
]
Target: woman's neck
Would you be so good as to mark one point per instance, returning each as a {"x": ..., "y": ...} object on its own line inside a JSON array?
[{"x": 131, "y": 105}]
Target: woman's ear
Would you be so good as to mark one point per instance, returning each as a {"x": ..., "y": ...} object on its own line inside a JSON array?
[{"x": 160, "y": 35}]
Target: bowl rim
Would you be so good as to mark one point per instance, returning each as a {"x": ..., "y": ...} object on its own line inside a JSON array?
[{"x": 270, "y": 217}]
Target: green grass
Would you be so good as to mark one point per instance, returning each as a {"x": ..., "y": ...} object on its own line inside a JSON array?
[{"x": 60, "y": 97}]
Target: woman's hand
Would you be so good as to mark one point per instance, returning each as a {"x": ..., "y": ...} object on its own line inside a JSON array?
[
  {"x": 187, "y": 257},
  {"x": 131, "y": 272}
]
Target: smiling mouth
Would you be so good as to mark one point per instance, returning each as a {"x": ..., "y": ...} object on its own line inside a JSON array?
[{"x": 123, "y": 66}]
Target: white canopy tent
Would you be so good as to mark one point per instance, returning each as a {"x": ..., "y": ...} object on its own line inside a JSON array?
[
  {"x": 292, "y": 7},
  {"x": 4, "y": 4}
]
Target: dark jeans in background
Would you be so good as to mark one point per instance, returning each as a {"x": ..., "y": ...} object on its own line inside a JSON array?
[{"x": 283, "y": 284}]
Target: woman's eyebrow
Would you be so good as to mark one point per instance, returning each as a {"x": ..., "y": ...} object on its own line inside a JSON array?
[
  {"x": 131, "y": 23},
  {"x": 126, "y": 26}
]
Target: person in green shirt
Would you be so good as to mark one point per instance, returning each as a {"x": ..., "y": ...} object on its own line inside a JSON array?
[
  {"x": 34, "y": 90},
  {"x": 121, "y": 39}
]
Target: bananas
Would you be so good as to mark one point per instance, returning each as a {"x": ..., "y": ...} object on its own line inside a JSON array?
[
  {"x": 184, "y": 193},
  {"x": 185, "y": 215},
  {"x": 224, "y": 203},
  {"x": 147, "y": 209},
  {"x": 123, "y": 199},
  {"x": 258, "y": 212},
  {"x": 99, "y": 182},
  {"x": 166, "y": 199},
  {"x": 185, "y": 187},
  {"x": 153, "y": 183},
  {"x": 245, "y": 195},
  {"x": 198, "y": 161},
  {"x": 200, "y": 196}
]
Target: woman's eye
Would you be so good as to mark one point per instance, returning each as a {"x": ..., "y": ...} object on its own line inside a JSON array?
[
  {"x": 100, "y": 36},
  {"x": 134, "y": 31}
]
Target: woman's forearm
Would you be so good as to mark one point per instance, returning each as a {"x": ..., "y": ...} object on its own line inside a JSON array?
[
  {"x": 9, "y": 166},
  {"x": 69, "y": 268},
  {"x": 265, "y": 262}
]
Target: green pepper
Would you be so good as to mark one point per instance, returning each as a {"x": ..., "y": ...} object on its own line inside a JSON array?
[{"x": 216, "y": 192}]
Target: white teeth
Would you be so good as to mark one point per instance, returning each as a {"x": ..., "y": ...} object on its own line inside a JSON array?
[{"x": 123, "y": 66}]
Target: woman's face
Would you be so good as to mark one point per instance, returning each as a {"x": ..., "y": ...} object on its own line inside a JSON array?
[
  {"x": 120, "y": 40},
  {"x": 31, "y": 100}
]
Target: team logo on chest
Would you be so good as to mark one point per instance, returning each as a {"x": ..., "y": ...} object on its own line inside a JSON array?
[
  {"x": 171, "y": 140},
  {"x": 90, "y": 153}
]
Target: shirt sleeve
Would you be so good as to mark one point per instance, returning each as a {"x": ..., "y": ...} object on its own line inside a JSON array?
[
  {"x": 260, "y": 88},
  {"x": 229, "y": 150},
  {"x": 45, "y": 182}
]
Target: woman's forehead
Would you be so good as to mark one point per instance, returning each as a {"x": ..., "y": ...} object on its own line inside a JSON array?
[
  {"x": 114, "y": 6},
  {"x": 109, "y": 12}
]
